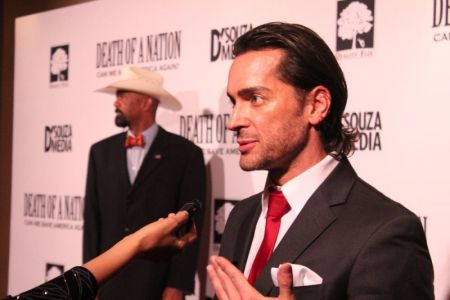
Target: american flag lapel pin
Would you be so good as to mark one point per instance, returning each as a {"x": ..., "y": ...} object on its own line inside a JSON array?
[{"x": 157, "y": 156}]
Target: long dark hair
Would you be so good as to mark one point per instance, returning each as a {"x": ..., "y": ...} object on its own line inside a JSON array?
[{"x": 308, "y": 62}]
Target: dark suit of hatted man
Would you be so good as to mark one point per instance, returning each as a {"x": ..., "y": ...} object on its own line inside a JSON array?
[
  {"x": 346, "y": 239},
  {"x": 136, "y": 177}
]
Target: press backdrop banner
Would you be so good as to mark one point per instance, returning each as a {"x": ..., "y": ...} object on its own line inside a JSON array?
[{"x": 395, "y": 55}]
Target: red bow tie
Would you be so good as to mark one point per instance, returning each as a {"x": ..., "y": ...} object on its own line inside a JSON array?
[{"x": 132, "y": 141}]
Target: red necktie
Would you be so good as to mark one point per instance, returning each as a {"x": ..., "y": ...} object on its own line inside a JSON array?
[
  {"x": 132, "y": 141},
  {"x": 278, "y": 206}
]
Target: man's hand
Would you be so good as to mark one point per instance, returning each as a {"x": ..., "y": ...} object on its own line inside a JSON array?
[{"x": 230, "y": 284}]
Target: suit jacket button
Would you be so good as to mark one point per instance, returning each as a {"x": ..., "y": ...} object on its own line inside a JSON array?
[{"x": 127, "y": 229}]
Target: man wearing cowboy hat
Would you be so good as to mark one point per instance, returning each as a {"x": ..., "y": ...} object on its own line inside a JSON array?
[{"x": 136, "y": 177}]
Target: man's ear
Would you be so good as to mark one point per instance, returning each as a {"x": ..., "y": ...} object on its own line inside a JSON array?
[
  {"x": 319, "y": 100},
  {"x": 149, "y": 103}
]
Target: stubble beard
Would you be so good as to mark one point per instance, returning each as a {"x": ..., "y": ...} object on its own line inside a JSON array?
[
  {"x": 271, "y": 158},
  {"x": 276, "y": 155},
  {"x": 262, "y": 157}
]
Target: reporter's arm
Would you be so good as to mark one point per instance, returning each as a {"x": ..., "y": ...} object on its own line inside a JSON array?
[
  {"x": 155, "y": 235},
  {"x": 82, "y": 282}
]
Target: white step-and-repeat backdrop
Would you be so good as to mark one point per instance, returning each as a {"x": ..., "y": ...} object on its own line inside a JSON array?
[{"x": 397, "y": 66}]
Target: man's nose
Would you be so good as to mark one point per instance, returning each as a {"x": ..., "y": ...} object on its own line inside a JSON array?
[
  {"x": 117, "y": 103},
  {"x": 237, "y": 119}
]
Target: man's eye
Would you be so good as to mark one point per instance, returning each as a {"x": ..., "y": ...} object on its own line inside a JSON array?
[{"x": 256, "y": 99}]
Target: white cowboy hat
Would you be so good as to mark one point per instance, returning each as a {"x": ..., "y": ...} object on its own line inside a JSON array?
[{"x": 143, "y": 81}]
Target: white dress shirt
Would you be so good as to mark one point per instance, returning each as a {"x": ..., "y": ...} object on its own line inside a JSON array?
[
  {"x": 136, "y": 155},
  {"x": 297, "y": 191}
]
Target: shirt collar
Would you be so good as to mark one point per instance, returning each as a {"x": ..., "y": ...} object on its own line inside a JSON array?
[
  {"x": 299, "y": 189},
  {"x": 149, "y": 134}
]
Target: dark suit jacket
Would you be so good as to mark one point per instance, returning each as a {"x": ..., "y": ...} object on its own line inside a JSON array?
[
  {"x": 363, "y": 245},
  {"x": 172, "y": 173}
]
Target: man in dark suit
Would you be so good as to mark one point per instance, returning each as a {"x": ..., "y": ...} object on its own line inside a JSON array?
[
  {"x": 137, "y": 177},
  {"x": 344, "y": 239}
]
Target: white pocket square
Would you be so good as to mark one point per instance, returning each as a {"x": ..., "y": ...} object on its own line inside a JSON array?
[{"x": 303, "y": 276}]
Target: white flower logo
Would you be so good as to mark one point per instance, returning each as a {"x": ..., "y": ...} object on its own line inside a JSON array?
[
  {"x": 59, "y": 62},
  {"x": 355, "y": 19},
  {"x": 221, "y": 217}
]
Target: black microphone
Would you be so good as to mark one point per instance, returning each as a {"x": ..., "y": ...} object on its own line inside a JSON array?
[{"x": 192, "y": 208}]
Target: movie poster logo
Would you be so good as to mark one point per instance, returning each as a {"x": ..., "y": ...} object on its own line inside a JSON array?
[
  {"x": 58, "y": 138},
  {"x": 53, "y": 211},
  {"x": 59, "y": 66},
  {"x": 157, "y": 52},
  {"x": 53, "y": 271},
  {"x": 441, "y": 20},
  {"x": 208, "y": 131},
  {"x": 368, "y": 124},
  {"x": 222, "y": 209},
  {"x": 222, "y": 41},
  {"x": 355, "y": 28}
]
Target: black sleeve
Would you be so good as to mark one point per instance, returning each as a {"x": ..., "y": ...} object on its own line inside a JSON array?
[
  {"x": 91, "y": 227},
  {"x": 76, "y": 284}
]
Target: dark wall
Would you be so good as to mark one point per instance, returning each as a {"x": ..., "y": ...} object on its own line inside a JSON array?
[{"x": 9, "y": 10}]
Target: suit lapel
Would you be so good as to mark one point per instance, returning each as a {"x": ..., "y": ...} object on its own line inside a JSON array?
[
  {"x": 122, "y": 164},
  {"x": 154, "y": 156},
  {"x": 316, "y": 216},
  {"x": 245, "y": 236}
]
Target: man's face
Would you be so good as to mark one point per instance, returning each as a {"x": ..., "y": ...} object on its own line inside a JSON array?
[
  {"x": 267, "y": 112},
  {"x": 129, "y": 107}
]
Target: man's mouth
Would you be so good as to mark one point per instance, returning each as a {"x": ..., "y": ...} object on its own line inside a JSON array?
[{"x": 246, "y": 145}]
